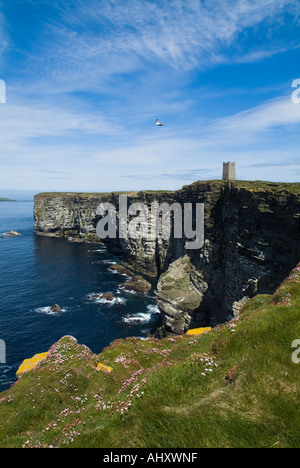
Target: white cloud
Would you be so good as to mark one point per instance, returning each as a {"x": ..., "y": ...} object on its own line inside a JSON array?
[
  {"x": 23, "y": 126},
  {"x": 276, "y": 114},
  {"x": 20, "y": 124},
  {"x": 92, "y": 40}
]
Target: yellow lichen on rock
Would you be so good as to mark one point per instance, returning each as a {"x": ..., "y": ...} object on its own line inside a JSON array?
[
  {"x": 104, "y": 368},
  {"x": 30, "y": 364},
  {"x": 198, "y": 331}
]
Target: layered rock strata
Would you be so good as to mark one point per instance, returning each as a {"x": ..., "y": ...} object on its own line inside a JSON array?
[{"x": 251, "y": 243}]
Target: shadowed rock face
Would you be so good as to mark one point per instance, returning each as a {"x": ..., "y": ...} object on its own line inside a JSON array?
[
  {"x": 252, "y": 241},
  {"x": 180, "y": 294}
]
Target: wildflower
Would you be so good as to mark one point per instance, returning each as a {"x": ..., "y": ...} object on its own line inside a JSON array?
[{"x": 229, "y": 378}]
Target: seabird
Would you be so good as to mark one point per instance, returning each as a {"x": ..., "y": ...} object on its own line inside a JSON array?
[{"x": 159, "y": 124}]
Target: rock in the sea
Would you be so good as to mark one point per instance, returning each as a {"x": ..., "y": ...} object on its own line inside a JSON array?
[
  {"x": 12, "y": 234},
  {"x": 55, "y": 308},
  {"x": 121, "y": 269},
  {"x": 136, "y": 282},
  {"x": 108, "y": 296}
]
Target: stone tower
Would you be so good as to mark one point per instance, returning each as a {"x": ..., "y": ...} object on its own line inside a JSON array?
[{"x": 229, "y": 171}]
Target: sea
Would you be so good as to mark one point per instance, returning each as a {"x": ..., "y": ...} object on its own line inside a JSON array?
[{"x": 38, "y": 272}]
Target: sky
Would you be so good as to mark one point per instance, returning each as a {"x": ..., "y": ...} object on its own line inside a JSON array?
[{"x": 85, "y": 81}]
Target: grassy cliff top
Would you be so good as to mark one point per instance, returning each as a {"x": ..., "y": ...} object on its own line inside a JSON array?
[
  {"x": 253, "y": 185},
  {"x": 235, "y": 386},
  {"x": 100, "y": 194},
  {"x": 292, "y": 187}
]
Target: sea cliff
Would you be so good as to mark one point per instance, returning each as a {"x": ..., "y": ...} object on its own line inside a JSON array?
[{"x": 251, "y": 243}]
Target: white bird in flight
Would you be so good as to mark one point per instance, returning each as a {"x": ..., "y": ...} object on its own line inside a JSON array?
[{"x": 159, "y": 124}]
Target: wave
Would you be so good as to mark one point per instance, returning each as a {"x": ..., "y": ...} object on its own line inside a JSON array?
[
  {"x": 115, "y": 272},
  {"x": 107, "y": 262},
  {"x": 96, "y": 297},
  {"x": 153, "y": 309},
  {"x": 143, "y": 317},
  {"x": 137, "y": 318},
  {"x": 104, "y": 262},
  {"x": 48, "y": 311},
  {"x": 127, "y": 291}
]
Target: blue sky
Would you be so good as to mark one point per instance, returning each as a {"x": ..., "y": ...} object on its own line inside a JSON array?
[{"x": 86, "y": 79}]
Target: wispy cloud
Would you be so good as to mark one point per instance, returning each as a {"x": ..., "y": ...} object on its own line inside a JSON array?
[
  {"x": 264, "y": 120},
  {"x": 46, "y": 171},
  {"x": 189, "y": 175},
  {"x": 183, "y": 35},
  {"x": 24, "y": 123},
  {"x": 58, "y": 178},
  {"x": 279, "y": 164}
]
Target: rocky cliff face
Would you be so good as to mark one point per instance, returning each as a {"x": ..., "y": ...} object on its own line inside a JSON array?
[
  {"x": 75, "y": 215},
  {"x": 251, "y": 243}
]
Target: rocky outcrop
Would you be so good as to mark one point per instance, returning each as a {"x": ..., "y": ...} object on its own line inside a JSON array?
[
  {"x": 251, "y": 243},
  {"x": 11, "y": 234},
  {"x": 135, "y": 283},
  {"x": 180, "y": 294},
  {"x": 107, "y": 296}
]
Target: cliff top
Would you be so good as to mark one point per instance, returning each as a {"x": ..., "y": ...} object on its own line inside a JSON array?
[
  {"x": 255, "y": 186},
  {"x": 100, "y": 194}
]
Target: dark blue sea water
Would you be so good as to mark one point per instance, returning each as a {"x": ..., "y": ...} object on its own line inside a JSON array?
[{"x": 37, "y": 272}]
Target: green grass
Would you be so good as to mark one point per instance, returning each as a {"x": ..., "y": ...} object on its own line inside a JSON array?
[
  {"x": 259, "y": 185},
  {"x": 102, "y": 194},
  {"x": 255, "y": 185},
  {"x": 79, "y": 194},
  {"x": 157, "y": 396}
]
